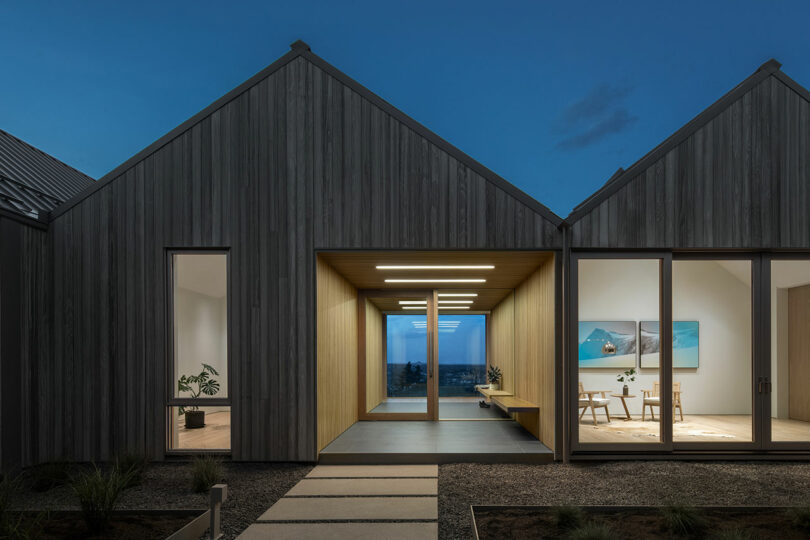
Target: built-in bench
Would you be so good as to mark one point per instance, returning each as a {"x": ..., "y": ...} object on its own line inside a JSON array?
[{"x": 507, "y": 401}]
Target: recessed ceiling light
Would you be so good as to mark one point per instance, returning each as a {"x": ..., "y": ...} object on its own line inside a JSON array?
[
  {"x": 435, "y": 281},
  {"x": 458, "y": 294},
  {"x": 423, "y": 308},
  {"x": 455, "y": 301},
  {"x": 454, "y": 307},
  {"x": 435, "y": 267},
  {"x": 423, "y": 302}
]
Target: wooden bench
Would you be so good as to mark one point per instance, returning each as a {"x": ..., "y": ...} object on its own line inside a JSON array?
[
  {"x": 512, "y": 404},
  {"x": 507, "y": 401}
]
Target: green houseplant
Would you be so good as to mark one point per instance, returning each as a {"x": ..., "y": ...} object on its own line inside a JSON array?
[
  {"x": 494, "y": 376},
  {"x": 205, "y": 384},
  {"x": 627, "y": 376}
]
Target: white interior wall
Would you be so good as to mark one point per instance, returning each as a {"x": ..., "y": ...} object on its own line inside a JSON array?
[
  {"x": 705, "y": 291},
  {"x": 201, "y": 335}
]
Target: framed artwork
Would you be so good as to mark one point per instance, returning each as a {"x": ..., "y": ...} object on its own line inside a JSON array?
[
  {"x": 607, "y": 344},
  {"x": 685, "y": 344}
]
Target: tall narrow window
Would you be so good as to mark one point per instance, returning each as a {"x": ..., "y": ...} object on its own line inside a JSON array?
[{"x": 199, "y": 412}]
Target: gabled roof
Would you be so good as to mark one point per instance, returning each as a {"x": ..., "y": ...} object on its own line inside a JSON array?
[
  {"x": 301, "y": 49},
  {"x": 32, "y": 183},
  {"x": 623, "y": 176}
]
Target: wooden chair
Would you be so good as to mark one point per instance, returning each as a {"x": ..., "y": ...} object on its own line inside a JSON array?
[
  {"x": 652, "y": 398},
  {"x": 593, "y": 402}
]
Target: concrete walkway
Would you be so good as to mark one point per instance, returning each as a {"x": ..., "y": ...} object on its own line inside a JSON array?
[{"x": 355, "y": 502}]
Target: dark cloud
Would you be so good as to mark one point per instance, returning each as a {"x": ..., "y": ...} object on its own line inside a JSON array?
[
  {"x": 619, "y": 120},
  {"x": 594, "y": 117}
]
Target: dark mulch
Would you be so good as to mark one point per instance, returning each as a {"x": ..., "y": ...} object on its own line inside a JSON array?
[
  {"x": 636, "y": 524},
  {"x": 70, "y": 526},
  {"x": 252, "y": 489},
  {"x": 616, "y": 483}
]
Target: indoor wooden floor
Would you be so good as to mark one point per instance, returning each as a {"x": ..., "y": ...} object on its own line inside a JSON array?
[
  {"x": 216, "y": 435},
  {"x": 694, "y": 428}
]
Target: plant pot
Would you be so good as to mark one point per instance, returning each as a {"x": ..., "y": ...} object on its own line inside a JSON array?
[
  {"x": 494, "y": 386},
  {"x": 625, "y": 391},
  {"x": 195, "y": 419}
]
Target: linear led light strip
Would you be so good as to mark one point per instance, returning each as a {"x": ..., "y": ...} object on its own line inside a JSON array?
[
  {"x": 436, "y": 267},
  {"x": 424, "y": 302},
  {"x": 440, "y": 307},
  {"x": 435, "y": 281},
  {"x": 457, "y": 294}
]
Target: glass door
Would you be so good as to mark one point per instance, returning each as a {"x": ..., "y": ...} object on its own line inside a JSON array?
[
  {"x": 784, "y": 385},
  {"x": 397, "y": 355},
  {"x": 715, "y": 400},
  {"x": 619, "y": 374}
]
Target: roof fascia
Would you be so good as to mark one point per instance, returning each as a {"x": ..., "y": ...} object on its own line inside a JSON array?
[{"x": 25, "y": 220}]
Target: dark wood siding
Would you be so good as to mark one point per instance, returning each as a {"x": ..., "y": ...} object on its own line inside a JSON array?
[
  {"x": 24, "y": 337},
  {"x": 738, "y": 182},
  {"x": 297, "y": 162}
]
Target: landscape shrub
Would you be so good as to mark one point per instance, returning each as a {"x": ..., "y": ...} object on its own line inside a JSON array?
[
  {"x": 682, "y": 519},
  {"x": 205, "y": 472},
  {"x": 98, "y": 493}
]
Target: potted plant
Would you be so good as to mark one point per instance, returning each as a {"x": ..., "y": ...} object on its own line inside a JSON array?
[
  {"x": 494, "y": 376},
  {"x": 195, "y": 418},
  {"x": 627, "y": 376}
]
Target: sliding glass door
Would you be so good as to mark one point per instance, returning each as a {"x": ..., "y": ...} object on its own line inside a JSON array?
[
  {"x": 785, "y": 382},
  {"x": 618, "y": 302},
  {"x": 689, "y": 352},
  {"x": 714, "y": 352}
]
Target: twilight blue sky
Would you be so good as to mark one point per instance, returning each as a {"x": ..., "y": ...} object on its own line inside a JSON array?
[{"x": 553, "y": 96}]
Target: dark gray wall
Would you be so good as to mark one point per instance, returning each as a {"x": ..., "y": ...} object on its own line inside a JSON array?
[
  {"x": 301, "y": 160},
  {"x": 24, "y": 334},
  {"x": 740, "y": 181}
]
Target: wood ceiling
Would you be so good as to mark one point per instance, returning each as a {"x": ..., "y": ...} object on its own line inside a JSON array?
[{"x": 511, "y": 269}]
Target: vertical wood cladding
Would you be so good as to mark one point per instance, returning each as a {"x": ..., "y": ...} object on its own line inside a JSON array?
[
  {"x": 24, "y": 339},
  {"x": 299, "y": 161},
  {"x": 739, "y": 181},
  {"x": 337, "y": 354}
]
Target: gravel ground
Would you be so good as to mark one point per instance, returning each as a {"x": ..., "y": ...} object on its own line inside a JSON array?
[
  {"x": 252, "y": 489},
  {"x": 619, "y": 483}
]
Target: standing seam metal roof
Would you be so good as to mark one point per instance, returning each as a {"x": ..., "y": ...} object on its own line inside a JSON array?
[{"x": 32, "y": 183}]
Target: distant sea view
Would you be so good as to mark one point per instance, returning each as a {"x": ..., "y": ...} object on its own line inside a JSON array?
[{"x": 455, "y": 380}]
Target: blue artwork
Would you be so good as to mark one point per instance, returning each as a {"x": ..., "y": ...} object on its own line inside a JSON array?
[
  {"x": 593, "y": 338},
  {"x": 685, "y": 344}
]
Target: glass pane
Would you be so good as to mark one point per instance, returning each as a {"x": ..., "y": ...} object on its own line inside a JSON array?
[
  {"x": 790, "y": 351},
  {"x": 206, "y": 428},
  {"x": 614, "y": 296},
  {"x": 396, "y": 356},
  {"x": 200, "y": 325},
  {"x": 711, "y": 351},
  {"x": 462, "y": 365}
]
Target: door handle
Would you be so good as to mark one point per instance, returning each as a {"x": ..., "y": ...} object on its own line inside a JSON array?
[
  {"x": 430, "y": 353},
  {"x": 759, "y": 385}
]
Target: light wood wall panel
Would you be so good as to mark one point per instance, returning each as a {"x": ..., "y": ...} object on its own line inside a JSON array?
[
  {"x": 337, "y": 354},
  {"x": 535, "y": 351},
  {"x": 376, "y": 374},
  {"x": 799, "y": 353},
  {"x": 501, "y": 340}
]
